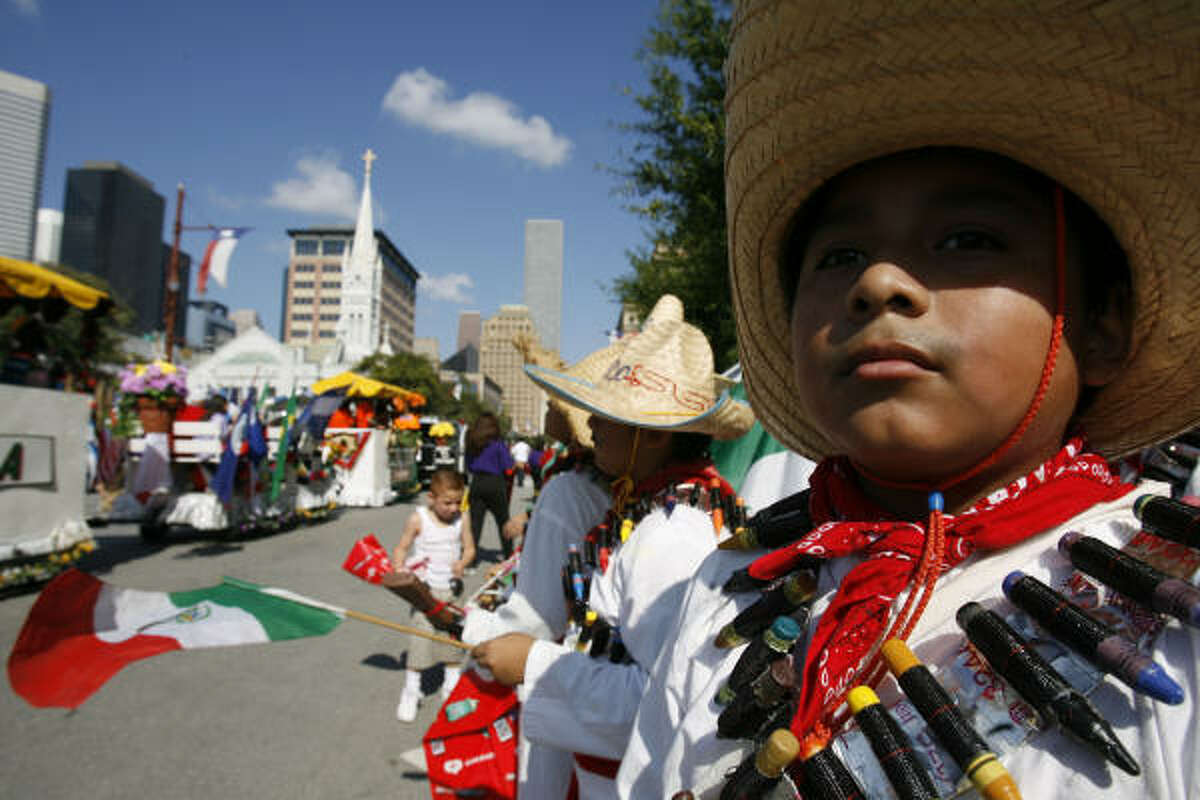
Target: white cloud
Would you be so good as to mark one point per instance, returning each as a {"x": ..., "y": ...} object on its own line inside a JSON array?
[
  {"x": 30, "y": 8},
  {"x": 421, "y": 99},
  {"x": 322, "y": 187},
  {"x": 451, "y": 286}
]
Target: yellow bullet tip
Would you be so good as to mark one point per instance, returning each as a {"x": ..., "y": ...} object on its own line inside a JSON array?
[
  {"x": 860, "y": 697},
  {"x": 899, "y": 658}
]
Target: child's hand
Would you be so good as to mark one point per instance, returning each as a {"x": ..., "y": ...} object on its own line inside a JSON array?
[
  {"x": 457, "y": 568},
  {"x": 505, "y": 657}
]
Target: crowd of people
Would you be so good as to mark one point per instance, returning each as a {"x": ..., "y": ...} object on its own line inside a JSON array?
[{"x": 962, "y": 260}]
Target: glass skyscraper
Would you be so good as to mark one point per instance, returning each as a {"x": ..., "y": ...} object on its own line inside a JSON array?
[{"x": 543, "y": 278}]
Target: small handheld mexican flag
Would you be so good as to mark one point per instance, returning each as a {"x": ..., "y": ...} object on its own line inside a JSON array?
[{"x": 82, "y": 631}]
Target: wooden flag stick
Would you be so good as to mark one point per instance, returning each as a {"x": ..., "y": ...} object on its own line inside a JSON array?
[{"x": 396, "y": 626}]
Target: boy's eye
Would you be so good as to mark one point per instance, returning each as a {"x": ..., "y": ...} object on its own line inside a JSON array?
[
  {"x": 971, "y": 240},
  {"x": 842, "y": 257}
]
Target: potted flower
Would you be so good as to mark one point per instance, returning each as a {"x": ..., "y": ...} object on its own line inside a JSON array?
[{"x": 155, "y": 391}]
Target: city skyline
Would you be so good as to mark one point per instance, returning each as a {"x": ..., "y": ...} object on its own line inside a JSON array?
[{"x": 478, "y": 126}]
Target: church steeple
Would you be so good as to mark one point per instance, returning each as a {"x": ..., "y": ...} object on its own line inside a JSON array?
[{"x": 359, "y": 319}]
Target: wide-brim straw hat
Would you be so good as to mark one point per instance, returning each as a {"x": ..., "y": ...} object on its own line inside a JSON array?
[
  {"x": 661, "y": 377},
  {"x": 532, "y": 352},
  {"x": 1102, "y": 97}
]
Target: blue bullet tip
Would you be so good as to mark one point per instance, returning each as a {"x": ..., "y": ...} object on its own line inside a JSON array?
[
  {"x": 1154, "y": 681},
  {"x": 936, "y": 503},
  {"x": 1011, "y": 579}
]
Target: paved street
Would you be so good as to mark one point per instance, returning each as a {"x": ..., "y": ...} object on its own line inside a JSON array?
[{"x": 309, "y": 718}]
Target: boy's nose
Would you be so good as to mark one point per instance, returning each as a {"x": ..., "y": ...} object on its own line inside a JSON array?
[{"x": 885, "y": 286}]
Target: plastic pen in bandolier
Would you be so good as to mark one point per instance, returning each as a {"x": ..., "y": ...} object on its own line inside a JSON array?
[
  {"x": 626, "y": 529},
  {"x": 774, "y": 526},
  {"x": 794, "y": 591},
  {"x": 762, "y": 771},
  {"x": 952, "y": 729},
  {"x": 586, "y": 630},
  {"x": 1041, "y": 685},
  {"x": 1169, "y": 519},
  {"x": 1133, "y": 578},
  {"x": 752, "y": 706},
  {"x": 1091, "y": 638},
  {"x": 891, "y": 746},
  {"x": 600, "y": 635},
  {"x": 775, "y": 642},
  {"x": 824, "y": 776},
  {"x": 578, "y": 589},
  {"x": 716, "y": 506},
  {"x": 670, "y": 500}
]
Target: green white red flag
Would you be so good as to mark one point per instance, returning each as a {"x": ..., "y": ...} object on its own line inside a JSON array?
[{"x": 81, "y": 631}]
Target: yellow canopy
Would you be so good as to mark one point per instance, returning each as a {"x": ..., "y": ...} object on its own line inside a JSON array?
[
  {"x": 36, "y": 283},
  {"x": 361, "y": 386}
]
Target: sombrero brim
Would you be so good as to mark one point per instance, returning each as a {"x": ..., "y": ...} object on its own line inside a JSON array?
[
  {"x": 1104, "y": 99},
  {"x": 724, "y": 419}
]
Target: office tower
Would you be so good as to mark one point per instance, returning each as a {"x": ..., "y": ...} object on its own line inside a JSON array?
[
  {"x": 208, "y": 324},
  {"x": 543, "y": 277},
  {"x": 47, "y": 244},
  {"x": 499, "y": 360},
  {"x": 112, "y": 227},
  {"x": 351, "y": 286},
  {"x": 24, "y": 113},
  {"x": 470, "y": 325}
]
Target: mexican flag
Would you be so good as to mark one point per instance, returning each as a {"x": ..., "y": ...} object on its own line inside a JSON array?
[{"x": 82, "y": 631}]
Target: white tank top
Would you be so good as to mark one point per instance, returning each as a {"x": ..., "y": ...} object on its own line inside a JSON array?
[{"x": 435, "y": 550}]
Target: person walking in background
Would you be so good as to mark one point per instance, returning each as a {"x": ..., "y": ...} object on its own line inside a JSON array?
[
  {"x": 520, "y": 452},
  {"x": 487, "y": 461}
]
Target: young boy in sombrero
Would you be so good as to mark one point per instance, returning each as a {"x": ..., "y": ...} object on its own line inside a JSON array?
[
  {"x": 655, "y": 404},
  {"x": 965, "y": 242}
]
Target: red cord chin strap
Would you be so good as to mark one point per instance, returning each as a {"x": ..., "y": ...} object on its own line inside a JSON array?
[{"x": 929, "y": 567}]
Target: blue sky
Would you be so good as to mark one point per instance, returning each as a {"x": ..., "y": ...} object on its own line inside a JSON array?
[{"x": 483, "y": 114}]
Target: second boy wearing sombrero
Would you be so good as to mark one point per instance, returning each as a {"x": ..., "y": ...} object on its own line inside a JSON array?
[
  {"x": 655, "y": 403},
  {"x": 897, "y": 238}
]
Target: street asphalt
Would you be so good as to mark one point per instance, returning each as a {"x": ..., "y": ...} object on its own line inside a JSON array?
[{"x": 307, "y": 718}]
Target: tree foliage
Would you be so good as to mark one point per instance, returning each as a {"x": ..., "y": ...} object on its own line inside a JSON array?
[
  {"x": 674, "y": 176},
  {"x": 418, "y": 374}
]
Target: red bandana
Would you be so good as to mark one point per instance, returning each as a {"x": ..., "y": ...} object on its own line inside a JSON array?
[{"x": 1064, "y": 486}]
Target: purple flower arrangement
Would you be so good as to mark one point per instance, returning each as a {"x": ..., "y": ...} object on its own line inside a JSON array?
[{"x": 159, "y": 379}]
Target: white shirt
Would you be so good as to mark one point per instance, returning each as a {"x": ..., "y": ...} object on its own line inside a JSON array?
[
  {"x": 437, "y": 546},
  {"x": 674, "y": 744},
  {"x": 567, "y": 508},
  {"x": 520, "y": 452},
  {"x": 582, "y": 704}
]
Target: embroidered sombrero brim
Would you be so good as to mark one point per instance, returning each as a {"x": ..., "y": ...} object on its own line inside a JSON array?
[
  {"x": 1102, "y": 97},
  {"x": 661, "y": 377}
]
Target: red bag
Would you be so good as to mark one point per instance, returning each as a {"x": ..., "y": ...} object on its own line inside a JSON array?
[
  {"x": 368, "y": 560},
  {"x": 471, "y": 748}
]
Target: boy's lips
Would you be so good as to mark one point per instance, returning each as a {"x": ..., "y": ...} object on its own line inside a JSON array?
[{"x": 883, "y": 360}]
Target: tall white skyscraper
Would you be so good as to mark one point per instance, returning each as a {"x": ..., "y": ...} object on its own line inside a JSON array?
[
  {"x": 543, "y": 278},
  {"x": 24, "y": 111}
]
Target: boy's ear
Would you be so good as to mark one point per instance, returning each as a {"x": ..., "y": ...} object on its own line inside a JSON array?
[{"x": 1107, "y": 338}]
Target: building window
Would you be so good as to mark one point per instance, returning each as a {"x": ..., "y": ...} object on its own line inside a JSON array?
[
  {"x": 331, "y": 301},
  {"x": 331, "y": 284},
  {"x": 302, "y": 301},
  {"x": 332, "y": 268},
  {"x": 333, "y": 247},
  {"x": 299, "y": 333},
  {"x": 329, "y": 317},
  {"x": 306, "y": 247},
  {"x": 327, "y": 334},
  {"x": 304, "y": 284},
  {"x": 306, "y": 268},
  {"x": 301, "y": 317}
]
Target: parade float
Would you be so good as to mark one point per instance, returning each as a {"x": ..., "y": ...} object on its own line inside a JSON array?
[
  {"x": 367, "y": 441},
  {"x": 43, "y": 432}
]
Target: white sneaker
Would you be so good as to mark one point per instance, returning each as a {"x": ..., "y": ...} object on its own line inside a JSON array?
[
  {"x": 406, "y": 711},
  {"x": 448, "y": 684}
]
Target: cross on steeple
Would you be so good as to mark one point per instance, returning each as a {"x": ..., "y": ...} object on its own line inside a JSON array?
[{"x": 367, "y": 158}]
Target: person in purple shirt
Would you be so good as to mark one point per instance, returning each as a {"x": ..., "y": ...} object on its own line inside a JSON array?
[{"x": 488, "y": 459}]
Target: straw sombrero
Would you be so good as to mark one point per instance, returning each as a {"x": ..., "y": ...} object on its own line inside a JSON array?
[
  {"x": 532, "y": 352},
  {"x": 661, "y": 377},
  {"x": 1102, "y": 97}
]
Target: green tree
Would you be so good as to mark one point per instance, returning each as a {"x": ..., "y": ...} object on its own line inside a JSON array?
[
  {"x": 418, "y": 374},
  {"x": 674, "y": 176}
]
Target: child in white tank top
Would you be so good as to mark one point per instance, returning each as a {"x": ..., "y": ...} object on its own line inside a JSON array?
[{"x": 436, "y": 547}]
